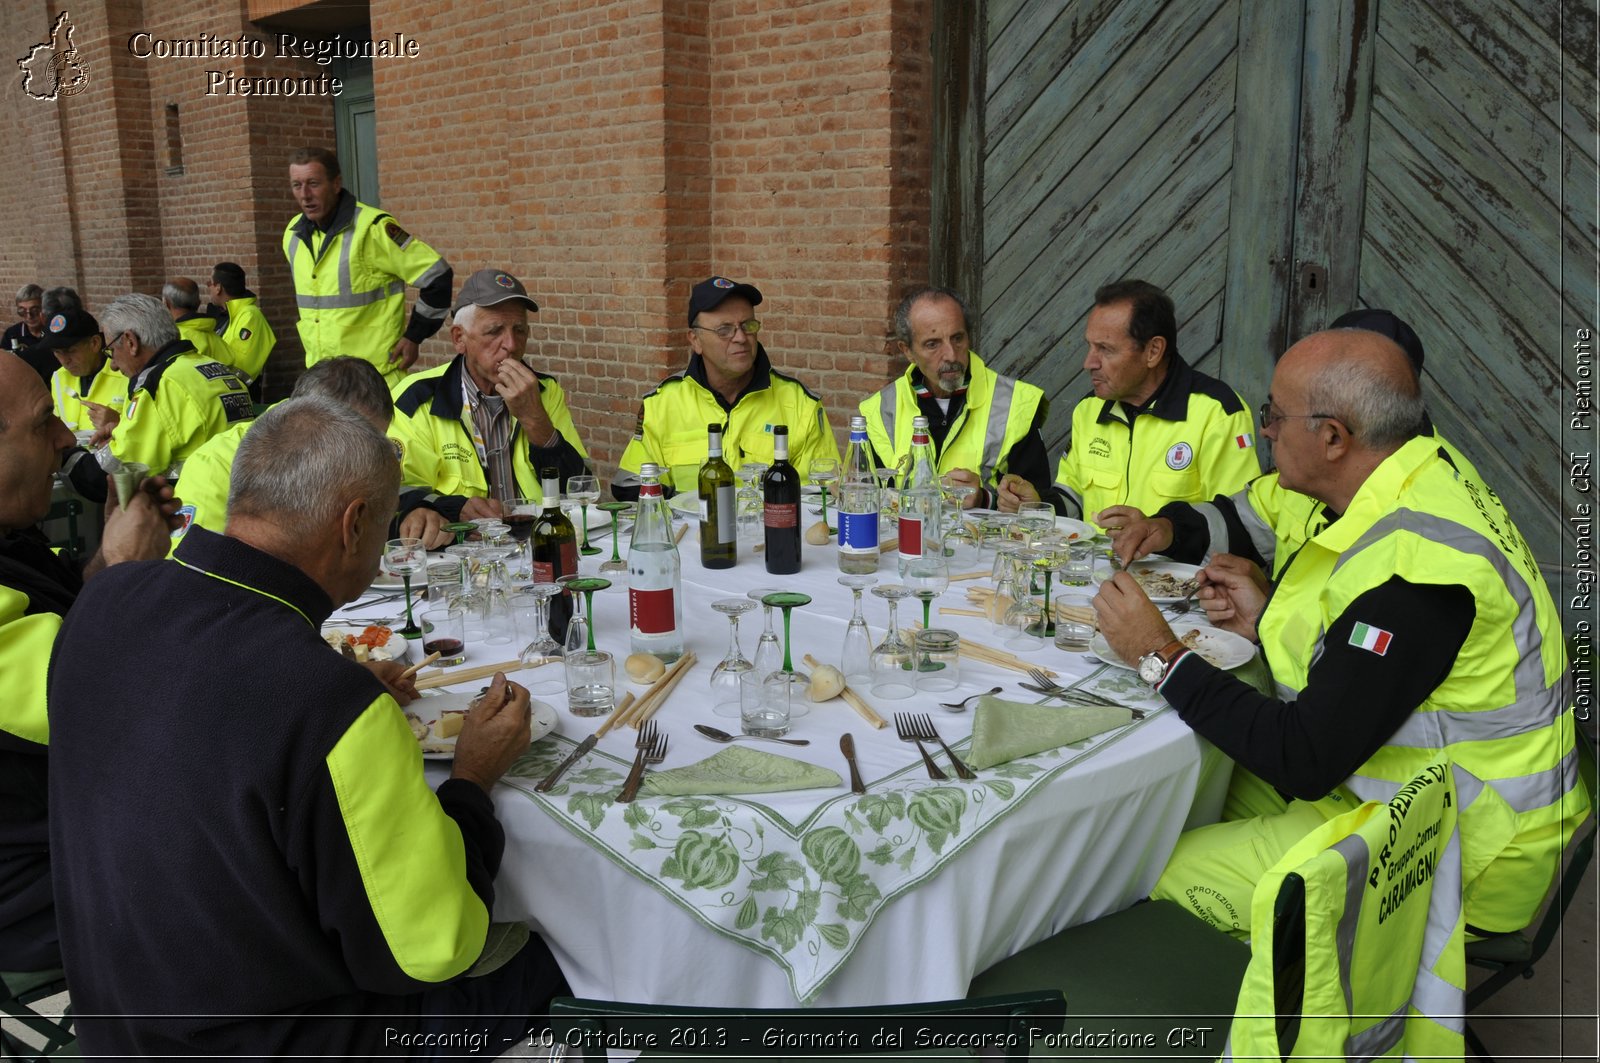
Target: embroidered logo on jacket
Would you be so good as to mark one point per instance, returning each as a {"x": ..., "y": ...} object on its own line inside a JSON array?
[{"x": 1180, "y": 456}]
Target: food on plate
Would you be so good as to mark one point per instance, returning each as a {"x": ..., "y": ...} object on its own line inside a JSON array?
[
  {"x": 360, "y": 647},
  {"x": 419, "y": 729},
  {"x": 449, "y": 724},
  {"x": 1200, "y": 641},
  {"x": 817, "y": 534},
  {"x": 827, "y": 682},
  {"x": 644, "y": 667},
  {"x": 1159, "y": 584}
]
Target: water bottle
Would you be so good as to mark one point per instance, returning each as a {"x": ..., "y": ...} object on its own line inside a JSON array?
[
  {"x": 919, "y": 498},
  {"x": 655, "y": 596},
  {"x": 858, "y": 504}
]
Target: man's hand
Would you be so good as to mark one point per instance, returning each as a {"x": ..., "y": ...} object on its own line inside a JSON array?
[
  {"x": 1014, "y": 491},
  {"x": 392, "y": 675},
  {"x": 495, "y": 733},
  {"x": 1130, "y": 622},
  {"x": 428, "y": 525},
  {"x": 1233, "y": 592},
  {"x": 479, "y": 508},
  {"x": 140, "y": 531},
  {"x": 519, "y": 386},
  {"x": 104, "y": 418},
  {"x": 967, "y": 478},
  {"x": 1134, "y": 535},
  {"x": 405, "y": 352}
]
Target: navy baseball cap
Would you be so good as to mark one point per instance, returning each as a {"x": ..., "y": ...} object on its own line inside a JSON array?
[
  {"x": 710, "y": 293},
  {"x": 1385, "y": 323},
  {"x": 66, "y": 328}
]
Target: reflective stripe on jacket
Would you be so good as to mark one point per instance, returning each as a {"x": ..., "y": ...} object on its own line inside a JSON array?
[{"x": 108, "y": 388}]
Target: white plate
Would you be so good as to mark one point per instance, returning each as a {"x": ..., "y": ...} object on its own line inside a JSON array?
[
  {"x": 1221, "y": 648},
  {"x": 685, "y": 503},
  {"x": 1176, "y": 569},
  {"x": 1076, "y": 529},
  {"x": 433, "y": 704},
  {"x": 396, "y": 649}
]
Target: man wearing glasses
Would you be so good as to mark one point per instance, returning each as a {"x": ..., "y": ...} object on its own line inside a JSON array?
[
  {"x": 1155, "y": 430},
  {"x": 729, "y": 380},
  {"x": 21, "y": 339}
]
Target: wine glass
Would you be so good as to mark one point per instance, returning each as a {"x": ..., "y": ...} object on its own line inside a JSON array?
[
  {"x": 616, "y": 564},
  {"x": 749, "y": 500},
  {"x": 856, "y": 657},
  {"x": 586, "y": 586},
  {"x": 1053, "y": 554},
  {"x": 768, "y": 655},
  {"x": 957, "y": 489},
  {"x": 891, "y": 661},
  {"x": 823, "y": 472},
  {"x": 780, "y": 688},
  {"x": 1025, "y": 617},
  {"x": 405, "y": 558},
  {"x": 927, "y": 577},
  {"x": 531, "y": 608},
  {"x": 1035, "y": 518},
  {"x": 584, "y": 489},
  {"x": 497, "y": 548},
  {"x": 727, "y": 677}
]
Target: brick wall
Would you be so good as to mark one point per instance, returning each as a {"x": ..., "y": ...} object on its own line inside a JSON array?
[{"x": 609, "y": 152}]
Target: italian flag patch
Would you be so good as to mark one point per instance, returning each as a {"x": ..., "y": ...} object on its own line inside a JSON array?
[
  {"x": 1244, "y": 442},
  {"x": 1373, "y": 639}
]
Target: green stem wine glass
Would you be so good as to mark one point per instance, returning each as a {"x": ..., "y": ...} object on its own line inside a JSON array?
[
  {"x": 616, "y": 564},
  {"x": 586, "y": 586}
]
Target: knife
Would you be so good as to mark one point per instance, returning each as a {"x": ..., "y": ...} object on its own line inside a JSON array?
[
  {"x": 847, "y": 746},
  {"x": 583, "y": 747}
]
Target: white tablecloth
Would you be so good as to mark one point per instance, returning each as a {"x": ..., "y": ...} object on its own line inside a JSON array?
[{"x": 1087, "y": 841}]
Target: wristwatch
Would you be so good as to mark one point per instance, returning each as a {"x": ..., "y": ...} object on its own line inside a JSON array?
[{"x": 1153, "y": 667}]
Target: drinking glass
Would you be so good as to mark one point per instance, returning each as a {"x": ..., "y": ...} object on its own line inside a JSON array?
[
  {"x": 616, "y": 564},
  {"x": 586, "y": 586},
  {"x": 444, "y": 631},
  {"x": 127, "y": 478},
  {"x": 1079, "y": 569},
  {"x": 961, "y": 542},
  {"x": 823, "y": 472},
  {"x": 1074, "y": 621},
  {"x": 728, "y": 676},
  {"x": 1052, "y": 554},
  {"x": 585, "y": 489},
  {"x": 855, "y": 659},
  {"x": 927, "y": 577},
  {"x": 782, "y": 687},
  {"x": 955, "y": 489},
  {"x": 444, "y": 580},
  {"x": 1025, "y": 618},
  {"x": 1036, "y": 518},
  {"x": 892, "y": 659},
  {"x": 519, "y": 518},
  {"x": 748, "y": 501},
  {"x": 591, "y": 679},
  {"x": 405, "y": 558},
  {"x": 769, "y": 657},
  {"x": 497, "y": 548},
  {"x": 473, "y": 601},
  {"x": 938, "y": 653},
  {"x": 531, "y": 608}
]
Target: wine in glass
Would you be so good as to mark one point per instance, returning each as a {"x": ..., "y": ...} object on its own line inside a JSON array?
[
  {"x": 616, "y": 509},
  {"x": 727, "y": 679},
  {"x": 405, "y": 558},
  {"x": 855, "y": 659},
  {"x": 892, "y": 658},
  {"x": 823, "y": 472},
  {"x": 584, "y": 489},
  {"x": 780, "y": 688}
]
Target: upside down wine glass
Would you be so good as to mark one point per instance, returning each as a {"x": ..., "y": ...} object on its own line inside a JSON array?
[
  {"x": 779, "y": 689},
  {"x": 584, "y": 489},
  {"x": 855, "y": 659},
  {"x": 892, "y": 658},
  {"x": 729, "y": 675},
  {"x": 616, "y": 564},
  {"x": 405, "y": 558},
  {"x": 823, "y": 472},
  {"x": 586, "y": 586}
]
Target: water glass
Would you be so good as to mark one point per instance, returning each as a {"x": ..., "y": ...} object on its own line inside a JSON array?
[
  {"x": 1079, "y": 569},
  {"x": 591, "y": 682},
  {"x": 444, "y": 580},
  {"x": 766, "y": 706},
  {"x": 1074, "y": 621},
  {"x": 938, "y": 657},
  {"x": 444, "y": 630}
]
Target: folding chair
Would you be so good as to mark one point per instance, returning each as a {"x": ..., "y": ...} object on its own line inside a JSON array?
[{"x": 19, "y": 990}]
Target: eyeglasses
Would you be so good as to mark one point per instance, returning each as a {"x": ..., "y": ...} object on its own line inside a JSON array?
[
  {"x": 1271, "y": 415},
  {"x": 29, "y": 311},
  {"x": 725, "y": 332}
]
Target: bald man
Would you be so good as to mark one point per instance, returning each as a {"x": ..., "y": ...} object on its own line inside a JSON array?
[{"x": 1415, "y": 623}]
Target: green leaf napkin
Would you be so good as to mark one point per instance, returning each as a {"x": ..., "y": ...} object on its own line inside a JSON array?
[
  {"x": 1006, "y": 730},
  {"x": 740, "y": 770}
]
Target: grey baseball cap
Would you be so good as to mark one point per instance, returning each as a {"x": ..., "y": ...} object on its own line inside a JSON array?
[{"x": 491, "y": 287}]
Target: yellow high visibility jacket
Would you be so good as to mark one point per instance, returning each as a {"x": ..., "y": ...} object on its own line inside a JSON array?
[
  {"x": 1193, "y": 441},
  {"x": 178, "y": 402},
  {"x": 247, "y": 337},
  {"x": 106, "y": 387},
  {"x": 671, "y": 429},
  {"x": 1499, "y": 713},
  {"x": 201, "y": 333},
  {"x": 1384, "y": 967},
  {"x": 433, "y": 426},
  {"x": 996, "y": 415},
  {"x": 207, "y": 474},
  {"x": 350, "y": 283}
]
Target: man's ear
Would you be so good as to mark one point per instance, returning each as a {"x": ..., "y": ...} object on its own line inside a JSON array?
[
  {"x": 1336, "y": 438},
  {"x": 458, "y": 339},
  {"x": 1154, "y": 351},
  {"x": 352, "y": 525}
]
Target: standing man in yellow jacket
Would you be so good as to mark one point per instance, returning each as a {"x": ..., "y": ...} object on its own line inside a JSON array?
[
  {"x": 1415, "y": 625},
  {"x": 1155, "y": 430},
  {"x": 983, "y": 426},
  {"x": 245, "y": 332},
  {"x": 351, "y": 265}
]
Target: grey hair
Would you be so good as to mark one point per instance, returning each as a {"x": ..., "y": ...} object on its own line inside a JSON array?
[
  {"x": 29, "y": 291},
  {"x": 143, "y": 315},
  {"x": 352, "y": 381},
  {"x": 59, "y": 301},
  {"x": 306, "y": 459},
  {"x": 909, "y": 301},
  {"x": 181, "y": 293},
  {"x": 1381, "y": 407},
  {"x": 465, "y": 316}
]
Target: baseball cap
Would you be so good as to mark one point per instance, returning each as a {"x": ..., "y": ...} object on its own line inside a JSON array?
[
  {"x": 66, "y": 328},
  {"x": 491, "y": 287},
  {"x": 1384, "y": 323},
  {"x": 710, "y": 293}
]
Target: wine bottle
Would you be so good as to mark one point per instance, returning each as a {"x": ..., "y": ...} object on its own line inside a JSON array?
[
  {"x": 858, "y": 504},
  {"x": 655, "y": 593},
  {"x": 780, "y": 508},
  {"x": 555, "y": 551},
  {"x": 719, "y": 531}
]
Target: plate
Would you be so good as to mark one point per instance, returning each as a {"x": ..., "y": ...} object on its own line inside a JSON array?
[
  {"x": 1221, "y": 648},
  {"x": 1150, "y": 570},
  {"x": 686, "y": 504},
  {"x": 1076, "y": 529},
  {"x": 396, "y": 649},
  {"x": 433, "y": 704}
]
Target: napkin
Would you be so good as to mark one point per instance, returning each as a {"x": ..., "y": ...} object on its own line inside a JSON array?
[
  {"x": 1006, "y": 730},
  {"x": 740, "y": 770}
]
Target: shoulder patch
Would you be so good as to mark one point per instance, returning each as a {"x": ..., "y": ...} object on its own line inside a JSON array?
[
  {"x": 395, "y": 233},
  {"x": 1372, "y": 639},
  {"x": 244, "y": 334},
  {"x": 638, "y": 424},
  {"x": 237, "y": 406}
]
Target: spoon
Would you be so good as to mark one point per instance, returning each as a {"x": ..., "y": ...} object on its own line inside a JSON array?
[
  {"x": 961, "y": 706},
  {"x": 723, "y": 736}
]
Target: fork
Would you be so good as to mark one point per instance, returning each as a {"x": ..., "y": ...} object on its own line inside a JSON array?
[
  {"x": 923, "y": 724},
  {"x": 1043, "y": 684},
  {"x": 907, "y": 732},
  {"x": 644, "y": 744},
  {"x": 1179, "y": 608}
]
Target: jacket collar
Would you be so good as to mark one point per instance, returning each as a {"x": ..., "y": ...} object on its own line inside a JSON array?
[
  {"x": 760, "y": 379},
  {"x": 344, "y": 213},
  {"x": 239, "y": 563},
  {"x": 1170, "y": 402},
  {"x": 149, "y": 377}
]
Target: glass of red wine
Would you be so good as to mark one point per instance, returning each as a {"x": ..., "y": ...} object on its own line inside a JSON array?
[{"x": 444, "y": 633}]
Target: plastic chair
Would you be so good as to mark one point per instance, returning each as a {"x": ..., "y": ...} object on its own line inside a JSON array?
[
  {"x": 1513, "y": 954},
  {"x": 20, "y": 990},
  {"x": 72, "y": 545},
  {"x": 1009, "y": 1025},
  {"x": 1137, "y": 976}
]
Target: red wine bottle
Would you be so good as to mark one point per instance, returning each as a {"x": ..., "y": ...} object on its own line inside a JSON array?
[{"x": 780, "y": 509}]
